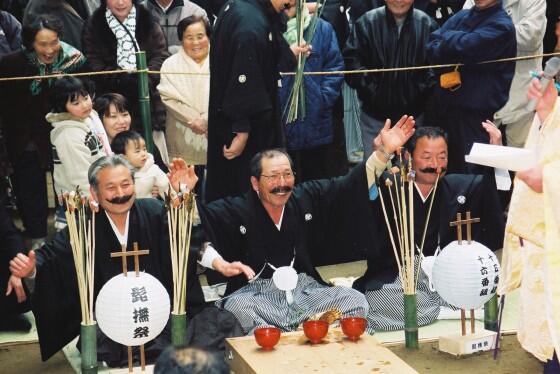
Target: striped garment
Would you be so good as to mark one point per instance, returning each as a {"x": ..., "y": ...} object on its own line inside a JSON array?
[
  {"x": 386, "y": 305},
  {"x": 260, "y": 303}
]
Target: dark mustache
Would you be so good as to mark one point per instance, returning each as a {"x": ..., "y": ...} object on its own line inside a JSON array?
[
  {"x": 281, "y": 189},
  {"x": 433, "y": 170},
  {"x": 120, "y": 199}
]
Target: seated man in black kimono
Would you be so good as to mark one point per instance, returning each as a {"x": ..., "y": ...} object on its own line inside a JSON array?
[
  {"x": 122, "y": 220},
  {"x": 278, "y": 225},
  {"x": 455, "y": 193}
]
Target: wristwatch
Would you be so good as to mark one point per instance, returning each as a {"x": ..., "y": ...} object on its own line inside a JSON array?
[{"x": 388, "y": 156}]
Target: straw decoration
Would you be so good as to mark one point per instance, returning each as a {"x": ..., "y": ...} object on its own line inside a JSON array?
[
  {"x": 180, "y": 215},
  {"x": 401, "y": 190},
  {"x": 82, "y": 240}
]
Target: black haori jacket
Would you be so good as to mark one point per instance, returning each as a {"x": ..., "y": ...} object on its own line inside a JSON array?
[
  {"x": 456, "y": 193},
  {"x": 329, "y": 217},
  {"x": 56, "y": 302}
]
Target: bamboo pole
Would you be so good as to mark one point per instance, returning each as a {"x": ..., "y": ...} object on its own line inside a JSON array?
[
  {"x": 491, "y": 314},
  {"x": 144, "y": 99}
]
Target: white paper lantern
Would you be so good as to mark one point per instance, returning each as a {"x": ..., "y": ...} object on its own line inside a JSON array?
[
  {"x": 466, "y": 275},
  {"x": 132, "y": 310}
]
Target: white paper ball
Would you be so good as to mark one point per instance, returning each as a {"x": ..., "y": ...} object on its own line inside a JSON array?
[
  {"x": 466, "y": 275},
  {"x": 132, "y": 310}
]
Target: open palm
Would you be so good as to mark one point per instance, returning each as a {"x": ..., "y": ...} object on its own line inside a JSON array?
[
  {"x": 181, "y": 173},
  {"x": 395, "y": 137}
]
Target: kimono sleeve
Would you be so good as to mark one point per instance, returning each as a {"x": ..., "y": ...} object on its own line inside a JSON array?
[
  {"x": 221, "y": 225},
  {"x": 342, "y": 214},
  {"x": 246, "y": 93},
  {"x": 494, "y": 223},
  {"x": 11, "y": 240},
  {"x": 55, "y": 302}
]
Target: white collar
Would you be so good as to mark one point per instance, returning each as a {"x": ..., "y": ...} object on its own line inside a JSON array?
[
  {"x": 123, "y": 238},
  {"x": 424, "y": 199},
  {"x": 279, "y": 225}
]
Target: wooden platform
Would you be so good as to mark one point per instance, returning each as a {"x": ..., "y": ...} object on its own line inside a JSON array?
[{"x": 295, "y": 354}]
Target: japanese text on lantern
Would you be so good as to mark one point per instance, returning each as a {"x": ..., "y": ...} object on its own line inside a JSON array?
[{"x": 141, "y": 313}]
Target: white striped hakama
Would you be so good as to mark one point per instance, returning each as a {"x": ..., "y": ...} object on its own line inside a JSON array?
[
  {"x": 260, "y": 303},
  {"x": 386, "y": 305}
]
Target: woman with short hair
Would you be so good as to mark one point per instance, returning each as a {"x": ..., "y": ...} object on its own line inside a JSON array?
[
  {"x": 23, "y": 105},
  {"x": 186, "y": 95}
]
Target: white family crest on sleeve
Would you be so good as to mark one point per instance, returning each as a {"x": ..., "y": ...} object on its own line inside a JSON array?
[
  {"x": 242, "y": 230},
  {"x": 308, "y": 216},
  {"x": 242, "y": 78}
]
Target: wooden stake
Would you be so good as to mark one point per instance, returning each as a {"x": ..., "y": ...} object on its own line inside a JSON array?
[
  {"x": 129, "y": 359},
  {"x": 123, "y": 254},
  {"x": 472, "y": 321},
  {"x": 460, "y": 222},
  {"x": 463, "y": 323},
  {"x": 142, "y": 358},
  {"x": 469, "y": 229}
]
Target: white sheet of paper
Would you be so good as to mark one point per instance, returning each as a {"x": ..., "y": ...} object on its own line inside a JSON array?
[{"x": 502, "y": 157}]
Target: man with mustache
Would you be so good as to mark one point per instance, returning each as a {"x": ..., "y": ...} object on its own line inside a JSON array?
[
  {"x": 282, "y": 225},
  {"x": 455, "y": 193},
  {"x": 121, "y": 220}
]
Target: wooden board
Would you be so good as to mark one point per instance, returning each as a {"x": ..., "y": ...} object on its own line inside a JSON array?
[{"x": 295, "y": 354}]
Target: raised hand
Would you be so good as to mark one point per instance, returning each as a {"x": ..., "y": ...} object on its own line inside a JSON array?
[
  {"x": 23, "y": 266},
  {"x": 392, "y": 138},
  {"x": 546, "y": 100},
  {"x": 181, "y": 173},
  {"x": 493, "y": 132}
]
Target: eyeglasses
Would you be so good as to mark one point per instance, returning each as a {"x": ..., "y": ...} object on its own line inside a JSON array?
[{"x": 288, "y": 176}]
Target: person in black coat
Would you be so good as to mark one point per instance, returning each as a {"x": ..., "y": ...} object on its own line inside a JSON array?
[
  {"x": 550, "y": 41},
  {"x": 393, "y": 36},
  {"x": 248, "y": 51},
  {"x": 13, "y": 299},
  {"x": 439, "y": 10},
  {"x": 455, "y": 193}
]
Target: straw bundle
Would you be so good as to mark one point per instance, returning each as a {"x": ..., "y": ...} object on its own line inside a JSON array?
[
  {"x": 82, "y": 240},
  {"x": 401, "y": 190},
  {"x": 180, "y": 215}
]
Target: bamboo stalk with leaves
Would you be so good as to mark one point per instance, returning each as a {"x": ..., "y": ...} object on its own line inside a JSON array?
[{"x": 295, "y": 107}]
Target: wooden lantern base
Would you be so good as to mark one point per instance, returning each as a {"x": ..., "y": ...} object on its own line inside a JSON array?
[{"x": 460, "y": 345}]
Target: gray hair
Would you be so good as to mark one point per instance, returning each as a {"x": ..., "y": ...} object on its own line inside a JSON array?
[{"x": 104, "y": 162}]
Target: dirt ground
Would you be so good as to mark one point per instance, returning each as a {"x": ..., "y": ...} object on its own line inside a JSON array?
[
  {"x": 25, "y": 358},
  {"x": 512, "y": 359}
]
